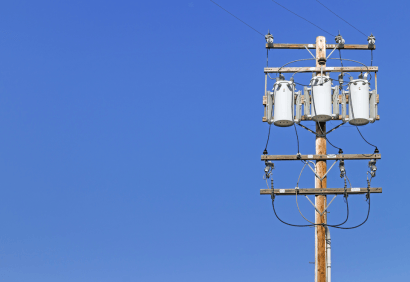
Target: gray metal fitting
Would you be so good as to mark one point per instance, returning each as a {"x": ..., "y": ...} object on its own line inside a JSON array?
[
  {"x": 339, "y": 40},
  {"x": 269, "y": 38},
  {"x": 371, "y": 40}
]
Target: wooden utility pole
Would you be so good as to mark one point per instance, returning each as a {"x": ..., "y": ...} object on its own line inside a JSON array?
[
  {"x": 320, "y": 200},
  {"x": 303, "y": 101}
]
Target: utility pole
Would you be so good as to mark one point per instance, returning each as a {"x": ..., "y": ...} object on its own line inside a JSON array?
[
  {"x": 321, "y": 168},
  {"x": 284, "y": 106}
]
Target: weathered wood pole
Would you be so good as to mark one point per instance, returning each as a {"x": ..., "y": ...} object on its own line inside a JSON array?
[{"x": 320, "y": 201}]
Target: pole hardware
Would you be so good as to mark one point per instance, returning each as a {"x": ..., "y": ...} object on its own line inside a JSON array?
[
  {"x": 342, "y": 169},
  {"x": 373, "y": 168},
  {"x": 322, "y": 61},
  {"x": 340, "y": 41},
  {"x": 371, "y": 40},
  {"x": 269, "y": 166},
  {"x": 324, "y": 176},
  {"x": 269, "y": 38}
]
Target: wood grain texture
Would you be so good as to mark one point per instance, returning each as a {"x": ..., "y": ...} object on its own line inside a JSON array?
[{"x": 321, "y": 168}]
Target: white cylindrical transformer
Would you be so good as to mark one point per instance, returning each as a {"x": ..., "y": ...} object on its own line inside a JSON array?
[
  {"x": 284, "y": 103},
  {"x": 359, "y": 102},
  {"x": 321, "y": 89}
]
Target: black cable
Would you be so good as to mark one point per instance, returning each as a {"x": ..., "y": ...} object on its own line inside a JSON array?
[
  {"x": 341, "y": 18},
  {"x": 294, "y": 225},
  {"x": 353, "y": 227},
  {"x": 303, "y": 18},
  {"x": 297, "y": 137},
  {"x": 267, "y": 141},
  {"x": 314, "y": 224},
  {"x": 236, "y": 17},
  {"x": 362, "y": 135},
  {"x": 340, "y": 56}
]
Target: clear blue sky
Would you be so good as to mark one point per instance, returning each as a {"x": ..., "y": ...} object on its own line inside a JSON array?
[{"x": 131, "y": 137}]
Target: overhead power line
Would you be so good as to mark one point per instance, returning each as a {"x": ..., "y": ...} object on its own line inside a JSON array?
[
  {"x": 303, "y": 18},
  {"x": 236, "y": 17},
  {"x": 341, "y": 18}
]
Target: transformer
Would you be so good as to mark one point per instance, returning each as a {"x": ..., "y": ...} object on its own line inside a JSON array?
[
  {"x": 283, "y": 103},
  {"x": 321, "y": 90},
  {"x": 359, "y": 101}
]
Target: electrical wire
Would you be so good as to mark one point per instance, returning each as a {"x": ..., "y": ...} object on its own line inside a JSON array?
[
  {"x": 345, "y": 197},
  {"x": 297, "y": 137},
  {"x": 293, "y": 114},
  {"x": 353, "y": 227},
  {"x": 236, "y": 17},
  {"x": 312, "y": 224},
  {"x": 351, "y": 100},
  {"x": 323, "y": 224},
  {"x": 302, "y": 18},
  {"x": 267, "y": 141},
  {"x": 341, "y": 18}
]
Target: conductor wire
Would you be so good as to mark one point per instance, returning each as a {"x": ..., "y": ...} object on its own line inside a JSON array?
[
  {"x": 340, "y": 18},
  {"x": 236, "y": 17},
  {"x": 302, "y": 18}
]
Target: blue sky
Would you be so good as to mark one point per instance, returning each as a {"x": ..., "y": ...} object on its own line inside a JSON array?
[{"x": 132, "y": 135}]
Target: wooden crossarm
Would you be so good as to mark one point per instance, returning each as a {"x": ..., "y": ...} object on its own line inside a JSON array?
[
  {"x": 320, "y": 191},
  {"x": 321, "y": 157},
  {"x": 313, "y": 46},
  {"x": 317, "y": 69}
]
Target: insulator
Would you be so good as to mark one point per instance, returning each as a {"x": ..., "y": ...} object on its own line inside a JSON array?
[{"x": 269, "y": 38}]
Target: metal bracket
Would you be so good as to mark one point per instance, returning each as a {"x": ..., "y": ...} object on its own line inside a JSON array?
[
  {"x": 298, "y": 105},
  {"x": 314, "y": 171},
  {"x": 325, "y": 210},
  {"x": 321, "y": 135}
]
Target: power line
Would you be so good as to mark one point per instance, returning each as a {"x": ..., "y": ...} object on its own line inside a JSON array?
[
  {"x": 303, "y": 18},
  {"x": 267, "y": 141},
  {"x": 235, "y": 17},
  {"x": 341, "y": 18}
]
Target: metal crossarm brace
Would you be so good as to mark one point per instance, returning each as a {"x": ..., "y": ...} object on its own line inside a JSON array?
[
  {"x": 310, "y": 130},
  {"x": 325, "y": 210},
  {"x": 314, "y": 171},
  {"x": 321, "y": 135},
  {"x": 333, "y": 129}
]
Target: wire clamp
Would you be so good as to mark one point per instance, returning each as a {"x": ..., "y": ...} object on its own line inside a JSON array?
[
  {"x": 340, "y": 41},
  {"x": 371, "y": 40}
]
